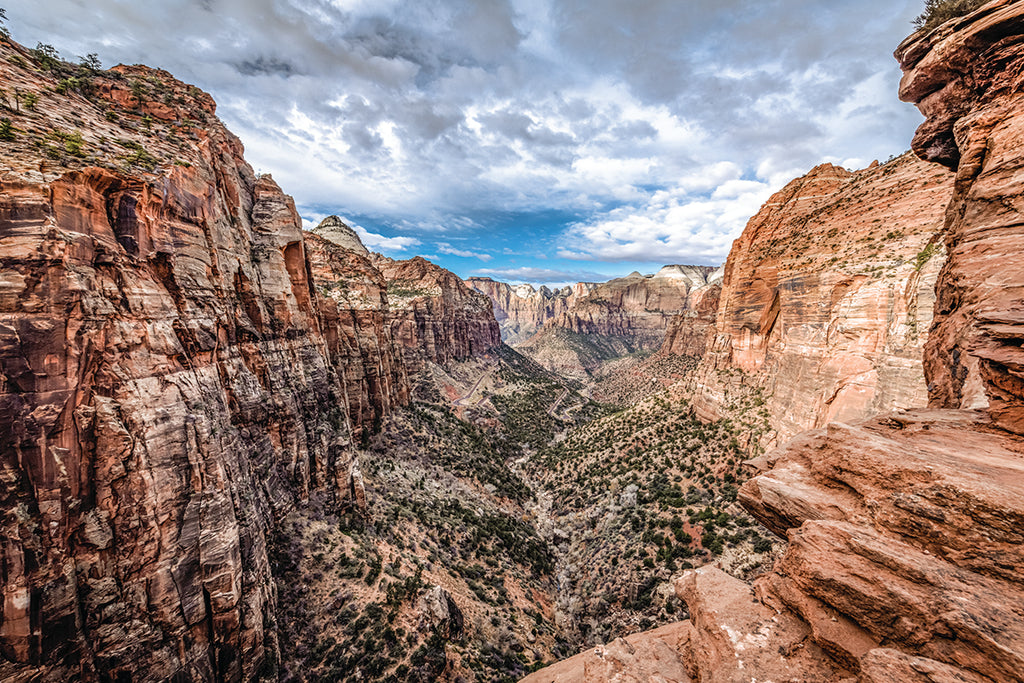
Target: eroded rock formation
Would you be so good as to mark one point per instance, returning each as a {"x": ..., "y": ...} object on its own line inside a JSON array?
[
  {"x": 435, "y": 316},
  {"x": 177, "y": 367},
  {"x": 687, "y": 333},
  {"x": 827, "y": 298},
  {"x": 623, "y": 316},
  {"x": 635, "y": 307},
  {"x": 521, "y": 310},
  {"x": 963, "y": 77},
  {"x": 904, "y": 531}
]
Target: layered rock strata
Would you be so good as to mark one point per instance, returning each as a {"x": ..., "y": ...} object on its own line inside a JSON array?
[
  {"x": 172, "y": 377},
  {"x": 904, "y": 557},
  {"x": 635, "y": 308},
  {"x": 435, "y": 317},
  {"x": 827, "y": 298},
  {"x": 624, "y": 316},
  {"x": 687, "y": 333},
  {"x": 964, "y": 78},
  {"x": 522, "y": 310}
]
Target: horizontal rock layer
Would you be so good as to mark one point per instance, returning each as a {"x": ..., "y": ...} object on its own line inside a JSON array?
[
  {"x": 178, "y": 365},
  {"x": 827, "y": 298}
]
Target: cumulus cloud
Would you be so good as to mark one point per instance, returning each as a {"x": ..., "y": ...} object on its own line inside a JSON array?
[
  {"x": 546, "y": 275},
  {"x": 673, "y": 226},
  {"x": 445, "y": 248},
  {"x": 662, "y": 124}
]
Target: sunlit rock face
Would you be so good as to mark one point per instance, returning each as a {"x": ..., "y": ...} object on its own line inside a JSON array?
[
  {"x": 962, "y": 77},
  {"x": 435, "y": 316},
  {"x": 635, "y": 307},
  {"x": 827, "y": 297},
  {"x": 904, "y": 556},
  {"x": 521, "y": 310},
  {"x": 174, "y": 373}
]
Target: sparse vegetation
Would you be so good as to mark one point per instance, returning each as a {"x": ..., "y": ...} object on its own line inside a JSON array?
[
  {"x": 925, "y": 255},
  {"x": 938, "y": 12}
]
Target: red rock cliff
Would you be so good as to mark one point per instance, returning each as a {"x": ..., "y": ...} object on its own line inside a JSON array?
[
  {"x": 905, "y": 543},
  {"x": 171, "y": 378},
  {"x": 964, "y": 77},
  {"x": 435, "y": 316},
  {"x": 521, "y": 310},
  {"x": 827, "y": 297}
]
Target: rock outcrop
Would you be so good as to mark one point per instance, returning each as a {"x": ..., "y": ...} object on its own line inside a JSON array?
[
  {"x": 904, "y": 557},
  {"x": 635, "y": 308},
  {"x": 177, "y": 368},
  {"x": 688, "y": 333},
  {"x": 623, "y": 316},
  {"x": 435, "y": 316},
  {"x": 522, "y": 310},
  {"x": 827, "y": 298},
  {"x": 334, "y": 230},
  {"x": 964, "y": 78}
]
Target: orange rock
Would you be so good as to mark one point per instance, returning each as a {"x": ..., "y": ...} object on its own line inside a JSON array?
[
  {"x": 827, "y": 297},
  {"x": 962, "y": 77},
  {"x": 650, "y": 656},
  {"x": 172, "y": 376}
]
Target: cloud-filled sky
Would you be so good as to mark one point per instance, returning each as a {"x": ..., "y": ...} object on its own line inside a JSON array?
[{"x": 526, "y": 140}]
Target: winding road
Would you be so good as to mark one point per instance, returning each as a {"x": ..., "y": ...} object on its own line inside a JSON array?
[{"x": 463, "y": 400}]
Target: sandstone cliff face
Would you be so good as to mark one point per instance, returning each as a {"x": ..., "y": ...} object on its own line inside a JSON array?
[
  {"x": 904, "y": 531},
  {"x": 171, "y": 379},
  {"x": 635, "y": 307},
  {"x": 435, "y": 316},
  {"x": 521, "y": 310},
  {"x": 687, "y": 333},
  {"x": 623, "y": 316},
  {"x": 963, "y": 77},
  {"x": 827, "y": 298}
]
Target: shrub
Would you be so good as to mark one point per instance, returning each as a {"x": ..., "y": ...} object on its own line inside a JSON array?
[
  {"x": 6, "y": 129},
  {"x": 46, "y": 56},
  {"x": 938, "y": 12}
]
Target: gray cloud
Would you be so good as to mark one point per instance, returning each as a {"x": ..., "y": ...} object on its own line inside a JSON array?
[{"x": 417, "y": 113}]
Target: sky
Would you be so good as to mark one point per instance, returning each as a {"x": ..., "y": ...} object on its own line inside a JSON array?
[{"x": 541, "y": 141}]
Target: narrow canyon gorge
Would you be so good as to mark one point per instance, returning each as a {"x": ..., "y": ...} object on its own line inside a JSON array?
[{"x": 232, "y": 449}]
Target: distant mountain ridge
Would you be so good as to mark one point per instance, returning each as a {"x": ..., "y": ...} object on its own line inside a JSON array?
[{"x": 572, "y": 329}]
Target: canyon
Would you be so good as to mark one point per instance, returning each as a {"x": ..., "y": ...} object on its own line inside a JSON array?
[
  {"x": 232, "y": 449},
  {"x": 574, "y": 330},
  {"x": 902, "y": 530}
]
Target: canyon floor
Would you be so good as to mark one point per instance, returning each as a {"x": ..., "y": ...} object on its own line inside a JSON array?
[{"x": 507, "y": 521}]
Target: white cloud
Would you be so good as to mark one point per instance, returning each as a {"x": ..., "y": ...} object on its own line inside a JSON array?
[
  {"x": 540, "y": 275},
  {"x": 445, "y": 248},
  {"x": 675, "y": 226},
  {"x": 417, "y": 113}
]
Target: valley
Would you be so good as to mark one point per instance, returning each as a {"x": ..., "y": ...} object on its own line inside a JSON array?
[{"x": 234, "y": 449}]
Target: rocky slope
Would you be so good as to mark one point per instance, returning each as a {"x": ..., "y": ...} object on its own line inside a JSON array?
[
  {"x": 521, "y": 310},
  {"x": 827, "y": 298},
  {"x": 334, "y": 230},
  {"x": 904, "y": 531},
  {"x": 178, "y": 367},
  {"x": 435, "y": 316},
  {"x": 619, "y": 317}
]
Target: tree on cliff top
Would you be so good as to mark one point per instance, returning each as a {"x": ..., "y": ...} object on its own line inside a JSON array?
[{"x": 937, "y": 12}]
